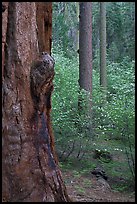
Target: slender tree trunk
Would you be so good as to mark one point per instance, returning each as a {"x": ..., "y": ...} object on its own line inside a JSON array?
[
  {"x": 30, "y": 171},
  {"x": 77, "y": 30},
  {"x": 85, "y": 46},
  {"x": 85, "y": 58},
  {"x": 103, "y": 73}
]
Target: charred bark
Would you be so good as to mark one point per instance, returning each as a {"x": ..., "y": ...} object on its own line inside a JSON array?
[{"x": 30, "y": 171}]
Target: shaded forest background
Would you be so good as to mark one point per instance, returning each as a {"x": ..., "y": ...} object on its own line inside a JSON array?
[{"x": 113, "y": 123}]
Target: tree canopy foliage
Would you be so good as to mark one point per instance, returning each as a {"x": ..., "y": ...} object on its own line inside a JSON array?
[{"x": 120, "y": 28}]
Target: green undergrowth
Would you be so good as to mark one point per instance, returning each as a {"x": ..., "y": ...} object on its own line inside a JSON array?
[{"x": 110, "y": 129}]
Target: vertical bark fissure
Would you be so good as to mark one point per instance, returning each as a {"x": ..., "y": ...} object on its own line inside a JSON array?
[
  {"x": 46, "y": 145},
  {"x": 9, "y": 67},
  {"x": 60, "y": 194},
  {"x": 44, "y": 23}
]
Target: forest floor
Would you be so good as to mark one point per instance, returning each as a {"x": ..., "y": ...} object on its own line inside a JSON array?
[
  {"x": 84, "y": 186},
  {"x": 87, "y": 188}
]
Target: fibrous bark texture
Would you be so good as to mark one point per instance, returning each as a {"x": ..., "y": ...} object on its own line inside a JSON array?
[
  {"x": 44, "y": 23},
  {"x": 30, "y": 171}
]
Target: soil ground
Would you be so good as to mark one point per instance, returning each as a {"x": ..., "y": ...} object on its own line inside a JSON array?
[
  {"x": 83, "y": 186},
  {"x": 88, "y": 188}
]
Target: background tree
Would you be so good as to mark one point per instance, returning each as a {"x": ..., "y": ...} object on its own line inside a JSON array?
[
  {"x": 77, "y": 30},
  {"x": 30, "y": 171},
  {"x": 119, "y": 45},
  {"x": 85, "y": 57},
  {"x": 85, "y": 47},
  {"x": 103, "y": 72},
  {"x": 65, "y": 27}
]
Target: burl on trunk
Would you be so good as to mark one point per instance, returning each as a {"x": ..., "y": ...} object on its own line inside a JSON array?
[{"x": 30, "y": 171}]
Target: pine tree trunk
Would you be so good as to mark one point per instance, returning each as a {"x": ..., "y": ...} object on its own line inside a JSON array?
[{"x": 30, "y": 171}]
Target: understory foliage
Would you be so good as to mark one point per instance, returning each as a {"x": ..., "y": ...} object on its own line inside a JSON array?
[
  {"x": 111, "y": 125},
  {"x": 113, "y": 121}
]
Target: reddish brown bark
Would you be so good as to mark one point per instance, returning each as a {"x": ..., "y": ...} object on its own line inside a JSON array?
[
  {"x": 30, "y": 172},
  {"x": 44, "y": 23}
]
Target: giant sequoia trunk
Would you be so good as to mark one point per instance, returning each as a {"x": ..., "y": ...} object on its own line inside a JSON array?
[{"x": 30, "y": 169}]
